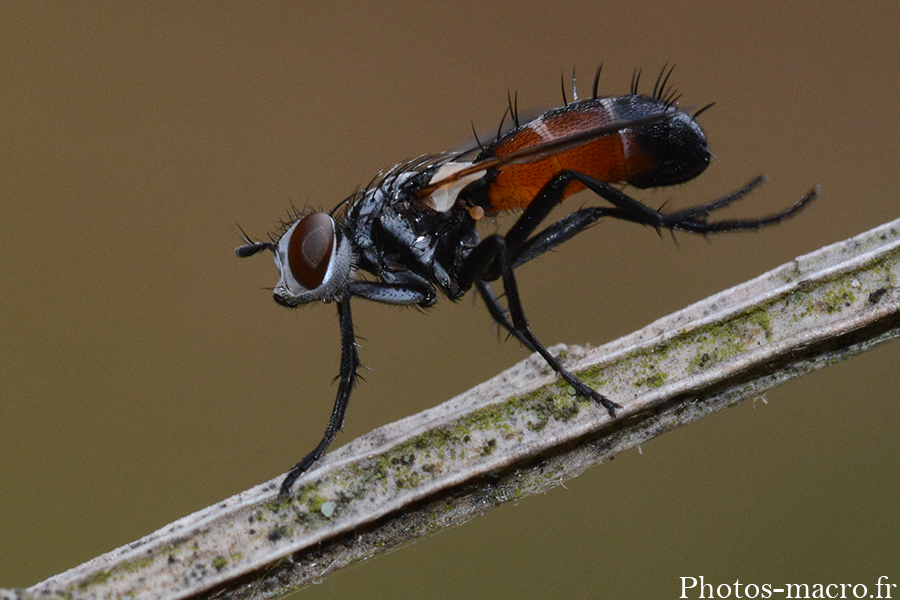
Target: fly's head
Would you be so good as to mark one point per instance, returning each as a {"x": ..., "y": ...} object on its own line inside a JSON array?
[{"x": 314, "y": 258}]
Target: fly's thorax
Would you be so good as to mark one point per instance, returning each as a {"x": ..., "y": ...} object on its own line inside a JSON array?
[{"x": 315, "y": 260}]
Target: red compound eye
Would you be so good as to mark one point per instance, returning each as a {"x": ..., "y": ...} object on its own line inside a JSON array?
[{"x": 309, "y": 249}]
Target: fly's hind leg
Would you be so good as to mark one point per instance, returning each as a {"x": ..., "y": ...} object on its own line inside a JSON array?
[{"x": 694, "y": 219}]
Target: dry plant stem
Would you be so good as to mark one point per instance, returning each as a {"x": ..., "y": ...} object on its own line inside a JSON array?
[{"x": 516, "y": 435}]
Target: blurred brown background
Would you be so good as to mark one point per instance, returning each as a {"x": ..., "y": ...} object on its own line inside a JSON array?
[{"x": 147, "y": 373}]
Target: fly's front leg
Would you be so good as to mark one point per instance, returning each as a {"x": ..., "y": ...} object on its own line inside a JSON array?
[
  {"x": 348, "y": 375},
  {"x": 493, "y": 250},
  {"x": 413, "y": 290}
]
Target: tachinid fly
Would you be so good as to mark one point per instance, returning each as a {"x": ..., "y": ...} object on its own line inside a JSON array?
[{"x": 414, "y": 228}]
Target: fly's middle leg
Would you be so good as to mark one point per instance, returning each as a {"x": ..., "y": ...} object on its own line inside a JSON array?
[
  {"x": 493, "y": 252},
  {"x": 499, "y": 313}
]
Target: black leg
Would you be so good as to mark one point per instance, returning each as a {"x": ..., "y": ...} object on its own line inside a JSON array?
[
  {"x": 499, "y": 313},
  {"x": 498, "y": 256},
  {"x": 517, "y": 238},
  {"x": 493, "y": 250},
  {"x": 549, "y": 196},
  {"x": 349, "y": 365},
  {"x": 693, "y": 219},
  {"x": 562, "y": 231}
]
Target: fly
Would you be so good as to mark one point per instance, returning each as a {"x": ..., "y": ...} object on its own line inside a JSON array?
[{"x": 414, "y": 228}]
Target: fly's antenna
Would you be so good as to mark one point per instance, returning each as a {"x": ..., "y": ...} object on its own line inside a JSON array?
[
  {"x": 251, "y": 247},
  {"x": 635, "y": 80},
  {"x": 244, "y": 237},
  {"x": 597, "y": 80}
]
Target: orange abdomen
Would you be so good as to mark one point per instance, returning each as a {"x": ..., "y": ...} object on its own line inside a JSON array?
[{"x": 611, "y": 158}]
